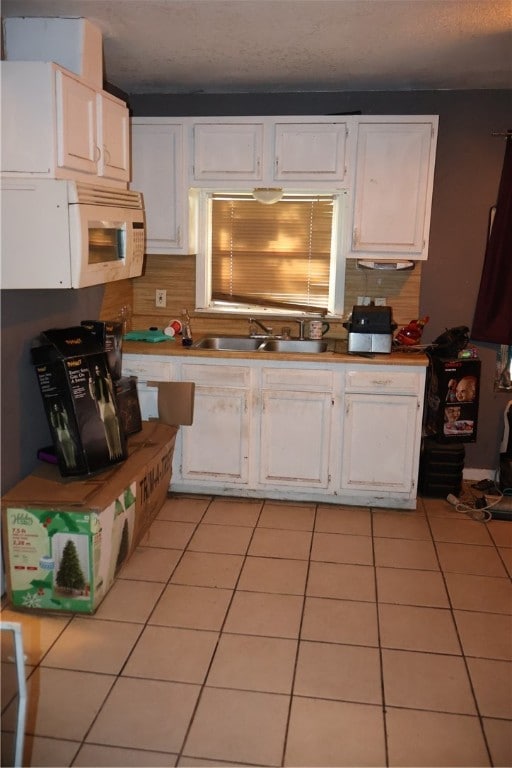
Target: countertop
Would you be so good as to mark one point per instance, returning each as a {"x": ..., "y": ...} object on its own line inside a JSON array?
[{"x": 336, "y": 353}]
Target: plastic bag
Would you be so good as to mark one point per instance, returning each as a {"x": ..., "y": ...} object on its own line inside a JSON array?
[{"x": 451, "y": 342}]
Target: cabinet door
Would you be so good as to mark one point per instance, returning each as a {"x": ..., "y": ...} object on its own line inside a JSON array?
[
  {"x": 393, "y": 188},
  {"x": 114, "y": 137},
  {"x": 379, "y": 437},
  {"x": 216, "y": 446},
  {"x": 228, "y": 152},
  {"x": 77, "y": 146},
  {"x": 157, "y": 172},
  {"x": 295, "y": 437},
  {"x": 310, "y": 151}
]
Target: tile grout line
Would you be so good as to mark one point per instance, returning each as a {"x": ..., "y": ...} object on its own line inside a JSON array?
[
  {"x": 463, "y": 655},
  {"x": 297, "y": 651},
  {"x": 381, "y": 658},
  {"x": 220, "y": 631}
]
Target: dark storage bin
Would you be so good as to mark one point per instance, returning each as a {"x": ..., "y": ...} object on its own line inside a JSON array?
[{"x": 441, "y": 469}]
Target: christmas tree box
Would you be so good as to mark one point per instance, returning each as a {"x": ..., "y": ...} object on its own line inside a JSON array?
[{"x": 66, "y": 539}]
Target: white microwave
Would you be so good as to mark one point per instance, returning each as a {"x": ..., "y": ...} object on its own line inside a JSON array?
[{"x": 65, "y": 234}]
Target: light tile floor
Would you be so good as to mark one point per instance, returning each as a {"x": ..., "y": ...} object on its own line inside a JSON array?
[{"x": 249, "y": 632}]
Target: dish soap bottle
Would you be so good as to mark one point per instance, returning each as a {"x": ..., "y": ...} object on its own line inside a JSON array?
[
  {"x": 186, "y": 329},
  {"x": 410, "y": 334}
]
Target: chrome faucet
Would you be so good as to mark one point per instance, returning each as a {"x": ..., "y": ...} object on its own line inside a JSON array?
[
  {"x": 264, "y": 328},
  {"x": 301, "y": 329}
]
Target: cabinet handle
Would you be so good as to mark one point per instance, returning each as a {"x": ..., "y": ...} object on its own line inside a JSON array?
[
  {"x": 97, "y": 153},
  {"x": 178, "y": 236},
  {"x": 106, "y": 154},
  {"x": 382, "y": 382},
  {"x": 355, "y": 237}
]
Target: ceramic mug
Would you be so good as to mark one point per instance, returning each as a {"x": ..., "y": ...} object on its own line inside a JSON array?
[{"x": 317, "y": 328}]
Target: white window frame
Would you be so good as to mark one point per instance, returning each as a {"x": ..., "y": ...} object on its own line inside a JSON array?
[{"x": 339, "y": 249}]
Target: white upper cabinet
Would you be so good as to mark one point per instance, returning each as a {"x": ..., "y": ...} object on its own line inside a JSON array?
[
  {"x": 384, "y": 163},
  {"x": 292, "y": 152},
  {"x": 158, "y": 158},
  {"x": 223, "y": 152},
  {"x": 311, "y": 151},
  {"x": 393, "y": 187},
  {"x": 76, "y": 124},
  {"x": 61, "y": 128},
  {"x": 114, "y": 135}
]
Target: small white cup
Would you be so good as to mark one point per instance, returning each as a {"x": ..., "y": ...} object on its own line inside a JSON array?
[{"x": 317, "y": 328}]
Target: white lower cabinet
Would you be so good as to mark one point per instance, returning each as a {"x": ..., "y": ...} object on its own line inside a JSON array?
[
  {"x": 296, "y": 408},
  {"x": 151, "y": 369},
  {"x": 378, "y": 442},
  {"x": 381, "y": 432},
  {"x": 215, "y": 448},
  {"x": 336, "y": 433}
]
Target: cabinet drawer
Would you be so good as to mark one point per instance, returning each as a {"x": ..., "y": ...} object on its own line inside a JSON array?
[
  {"x": 148, "y": 370},
  {"x": 217, "y": 375},
  {"x": 295, "y": 379},
  {"x": 387, "y": 381}
]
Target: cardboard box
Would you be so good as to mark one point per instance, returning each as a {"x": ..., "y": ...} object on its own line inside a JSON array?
[
  {"x": 175, "y": 401},
  {"x": 73, "y": 43},
  {"x": 452, "y": 396},
  {"x": 65, "y": 539},
  {"x": 79, "y": 400}
]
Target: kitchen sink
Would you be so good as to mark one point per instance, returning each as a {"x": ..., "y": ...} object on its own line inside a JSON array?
[
  {"x": 229, "y": 343},
  {"x": 294, "y": 345},
  {"x": 248, "y": 344}
]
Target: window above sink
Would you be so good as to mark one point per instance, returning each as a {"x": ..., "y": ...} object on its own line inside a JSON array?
[{"x": 276, "y": 258}]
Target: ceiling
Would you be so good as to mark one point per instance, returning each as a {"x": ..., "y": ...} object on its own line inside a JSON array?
[{"x": 233, "y": 46}]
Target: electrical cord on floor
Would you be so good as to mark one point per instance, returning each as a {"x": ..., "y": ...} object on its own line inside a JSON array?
[{"x": 478, "y": 509}]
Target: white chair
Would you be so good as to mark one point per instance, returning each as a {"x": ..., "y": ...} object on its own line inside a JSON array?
[{"x": 15, "y": 628}]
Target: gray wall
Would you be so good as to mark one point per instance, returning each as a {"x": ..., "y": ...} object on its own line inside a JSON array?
[
  {"x": 24, "y": 315},
  {"x": 468, "y": 169}
]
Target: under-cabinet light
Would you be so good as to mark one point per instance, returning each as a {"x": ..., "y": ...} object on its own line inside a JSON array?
[
  {"x": 267, "y": 195},
  {"x": 388, "y": 265}
]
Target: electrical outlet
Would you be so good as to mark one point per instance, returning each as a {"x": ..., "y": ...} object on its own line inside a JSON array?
[
  {"x": 160, "y": 298},
  {"x": 380, "y": 302},
  {"x": 363, "y": 301}
]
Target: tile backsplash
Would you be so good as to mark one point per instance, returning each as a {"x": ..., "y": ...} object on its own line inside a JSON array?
[{"x": 176, "y": 275}]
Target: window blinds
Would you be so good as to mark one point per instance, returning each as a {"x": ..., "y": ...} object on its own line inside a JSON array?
[{"x": 272, "y": 255}]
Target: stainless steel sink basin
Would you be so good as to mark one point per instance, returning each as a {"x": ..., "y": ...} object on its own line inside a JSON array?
[
  {"x": 229, "y": 343},
  {"x": 294, "y": 345},
  {"x": 248, "y": 344}
]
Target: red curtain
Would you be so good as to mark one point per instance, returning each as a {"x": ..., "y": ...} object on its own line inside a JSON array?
[{"x": 493, "y": 314}]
